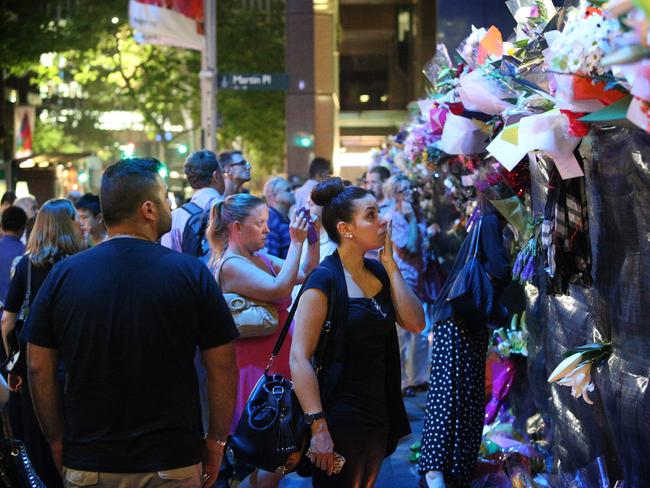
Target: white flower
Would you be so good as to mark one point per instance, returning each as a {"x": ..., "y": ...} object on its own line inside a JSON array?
[
  {"x": 580, "y": 381},
  {"x": 565, "y": 367}
]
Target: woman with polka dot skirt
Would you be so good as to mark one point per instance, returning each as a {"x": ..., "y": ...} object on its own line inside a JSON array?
[{"x": 455, "y": 407}]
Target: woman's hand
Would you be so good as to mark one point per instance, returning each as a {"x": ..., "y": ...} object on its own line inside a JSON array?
[
  {"x": 15, "y": 382},
  {"x": 298, "y": 228},
  {"x": 386, "y": 254},
  {"x": 322, "y": 448}
]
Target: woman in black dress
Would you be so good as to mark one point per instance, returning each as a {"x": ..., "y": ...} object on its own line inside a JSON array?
[
  {"x": 455, "y": 409},
  {"x": 56, "y": 235},
  {"x": 354, "y": 405}
]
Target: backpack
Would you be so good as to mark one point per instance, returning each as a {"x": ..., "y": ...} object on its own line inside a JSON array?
[{"x": 193, "y": 241}]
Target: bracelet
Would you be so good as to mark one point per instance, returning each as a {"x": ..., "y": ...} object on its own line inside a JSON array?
[{"x": 220, "y": 443}]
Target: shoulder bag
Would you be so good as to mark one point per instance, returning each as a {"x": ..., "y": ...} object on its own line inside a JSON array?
[
  {"x": 472, "y": 293},
  {"x": 15, "y": 361},
  {"x": 271, "y": 433},
  {"x": 16, "y": 470},
  {"x": 252, "y": 318}
]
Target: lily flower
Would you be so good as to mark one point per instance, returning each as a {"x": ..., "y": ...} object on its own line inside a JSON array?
[
  {"x": 580, "y": 381},
  {"x": 565, "y": 367}
]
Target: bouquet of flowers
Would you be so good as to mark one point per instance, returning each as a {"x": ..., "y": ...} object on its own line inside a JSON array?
[
  {"x": 586, "y": 38},
  {"x": 525, "y": 264},
  {"x": 512, "y": 340}
]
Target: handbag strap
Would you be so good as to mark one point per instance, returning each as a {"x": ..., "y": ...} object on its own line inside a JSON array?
[
  {"x": 28, "y": 293},
  {"x": 474, "y": 243},
  {"x": 217, "y": 271},
  {"x": 6, "y": 424},
  {"x": 327, "y": 326}
]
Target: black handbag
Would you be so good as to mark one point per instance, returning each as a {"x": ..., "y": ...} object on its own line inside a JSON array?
[
  {"x": 16, "y": 470},
  {"x": 472, "y": 293},
  {"x": 271, "y": 433}
]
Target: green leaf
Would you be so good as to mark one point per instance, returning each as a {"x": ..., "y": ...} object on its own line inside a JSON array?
[{"x": 613, "y": 112}]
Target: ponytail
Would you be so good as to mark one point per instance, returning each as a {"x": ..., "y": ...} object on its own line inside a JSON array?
[
  {"x": 216, "y": 233},
  {"x": 235, "y": 208}
]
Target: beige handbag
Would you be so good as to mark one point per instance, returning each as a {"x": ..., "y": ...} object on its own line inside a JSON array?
[{"x": 252, "y": 318}]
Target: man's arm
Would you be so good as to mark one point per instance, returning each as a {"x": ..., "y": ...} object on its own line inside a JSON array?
[
  {"x": 42, "y": 363},
  {"x": 223, "y": 376}
]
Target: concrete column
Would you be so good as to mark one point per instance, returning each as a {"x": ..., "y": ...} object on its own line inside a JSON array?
[{"x": 312, "y": 64}]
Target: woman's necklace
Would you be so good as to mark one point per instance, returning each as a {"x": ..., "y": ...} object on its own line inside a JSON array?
[{"x": 374, "y": 303}]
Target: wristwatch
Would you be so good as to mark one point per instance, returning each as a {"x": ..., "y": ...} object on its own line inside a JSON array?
[{"x": 310, "y": 418}]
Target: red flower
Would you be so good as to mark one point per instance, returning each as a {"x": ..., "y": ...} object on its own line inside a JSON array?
[
  {"x": 456, "y": 108},
  {"x": 577, "y": 128}
]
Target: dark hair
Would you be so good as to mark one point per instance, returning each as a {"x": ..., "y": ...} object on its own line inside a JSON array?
[
  {"x": 337, "y": 201},
  {"x": 125, "y": 185},
  {"x": 199, "y": 167},
  {"x": 225, "y": 158},
  {"x": 319, "y": 165},
  {"x": 383, "y": 173},
  {"x": 8, "y": 197},
  {"x": 89, "y": 202},
  {"x": 14, "y": 219}
]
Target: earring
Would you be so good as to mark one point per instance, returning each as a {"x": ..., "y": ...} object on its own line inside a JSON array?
[{"x": 348, "y": 235}]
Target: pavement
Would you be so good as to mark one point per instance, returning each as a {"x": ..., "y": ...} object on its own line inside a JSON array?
[{"x": 397, "y": 471}]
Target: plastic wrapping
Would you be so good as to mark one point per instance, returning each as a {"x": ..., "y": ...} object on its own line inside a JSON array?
[{"x": 615, "y": 308}]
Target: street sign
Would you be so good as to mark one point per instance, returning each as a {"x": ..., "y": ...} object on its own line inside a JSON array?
[{"x": 254, "y": 81}]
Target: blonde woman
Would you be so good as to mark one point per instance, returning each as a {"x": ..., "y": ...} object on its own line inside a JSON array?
[
  {"x": 237, "y": 233},
  {"x": 56, "y": 235}
]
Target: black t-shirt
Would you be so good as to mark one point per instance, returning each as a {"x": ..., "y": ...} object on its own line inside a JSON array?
[
  {"x": 360, "y": 395},
  {"x": 18, "y": 285},
  {"x": 126, "y": 317}
]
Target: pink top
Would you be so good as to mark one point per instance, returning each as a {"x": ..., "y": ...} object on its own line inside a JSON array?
[{"x": 253, "y": 353}]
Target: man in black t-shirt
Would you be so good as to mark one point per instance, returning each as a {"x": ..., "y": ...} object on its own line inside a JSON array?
[{"x": 125, "y": 319}]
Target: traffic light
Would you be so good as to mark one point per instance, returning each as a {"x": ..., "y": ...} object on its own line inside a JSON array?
[{"x": 304, "y": 140}]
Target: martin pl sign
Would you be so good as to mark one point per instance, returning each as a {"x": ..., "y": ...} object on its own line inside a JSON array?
[{"x": 254, "y": 81}]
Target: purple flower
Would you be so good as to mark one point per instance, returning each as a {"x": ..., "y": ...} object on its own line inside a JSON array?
[
  {"x": 529, "y": 270},
  {"x": 516, "y": 269}
]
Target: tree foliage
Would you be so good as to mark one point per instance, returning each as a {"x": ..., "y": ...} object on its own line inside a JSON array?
[
  {"x": 113, "y": 72},
  {"x": 251, "y": 41}
]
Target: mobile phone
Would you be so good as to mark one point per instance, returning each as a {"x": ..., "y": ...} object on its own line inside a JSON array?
[{"x": 312, "y": 236}]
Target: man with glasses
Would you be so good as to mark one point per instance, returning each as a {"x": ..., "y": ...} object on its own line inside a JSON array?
[
  {"x": 236, "y": 171},
  {"x": 279, "y": 197}
]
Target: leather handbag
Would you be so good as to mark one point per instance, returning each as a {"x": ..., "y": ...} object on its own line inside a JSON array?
[
  {"x": 271, "y": 433},
  {"x": 252, "y": 318},
  {"x": 16, "y": 470},
  {"x": 472, "y": 293}
]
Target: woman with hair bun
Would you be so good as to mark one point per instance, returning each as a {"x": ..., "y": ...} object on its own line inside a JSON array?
[
  {"x": 237, "y": 232},
  {"x": 354, "y": 405}
]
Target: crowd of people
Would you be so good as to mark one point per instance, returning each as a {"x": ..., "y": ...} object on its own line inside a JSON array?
[{"x": 129, "y": 364}]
